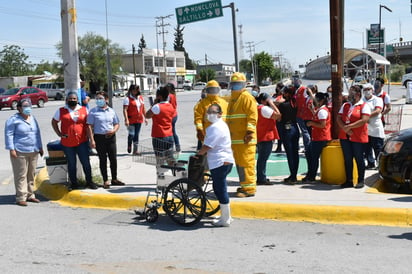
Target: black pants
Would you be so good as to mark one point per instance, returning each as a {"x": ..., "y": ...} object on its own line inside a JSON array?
[{"x": 106, "y": 147}]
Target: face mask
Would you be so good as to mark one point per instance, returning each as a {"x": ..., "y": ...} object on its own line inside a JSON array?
[
  {"x": 100, "y": 103},
  {"x": 26, "y": 110},
  {"x": 367, "y": 93},
  {"x": 236, "y": 86},
  {"x": 212, "y": 117},
  {"x": 351, "y": 98},
  {"x": 72, "y": 103},
  {"x": 255, "y": 93}
]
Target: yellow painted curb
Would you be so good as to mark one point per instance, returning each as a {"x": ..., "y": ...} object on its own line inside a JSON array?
[{"x": 400, "y": 217}]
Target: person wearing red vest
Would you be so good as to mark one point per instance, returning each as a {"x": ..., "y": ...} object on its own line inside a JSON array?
[
  {"x": 304, "y": 113},
  {"x": 266, "y": 129},
  {"x": 321, "y": 134},
  {"x": 162, "y": 114},
  {"x": 352, "y": 119},
  {"x": 378, "y": 86},
  {"x": 133, "y": 112},
  {"x": 172, "y": 100},
  {"x": 74, "y": 134}
]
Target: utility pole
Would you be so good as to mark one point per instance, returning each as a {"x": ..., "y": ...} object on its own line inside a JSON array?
[
  {"x": 241, "y": 46},
  {"x": 336, "y": 16},
  {"x": 70, "y": 47},
  {"x": 251, "y": 49},
  {"x": 162, "y": 32},
  {"x": 134, "y": 63},
  {"x": 232, "y": 6},
  {"x": 109, "y": 65},
  {"x": 206, "y": 72}
]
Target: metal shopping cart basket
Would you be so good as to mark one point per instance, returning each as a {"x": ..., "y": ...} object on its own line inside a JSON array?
[{"x": 184, "y": 200}]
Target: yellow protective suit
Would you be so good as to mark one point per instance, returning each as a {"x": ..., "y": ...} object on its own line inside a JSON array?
[
  {"x": 201, "y": 107},
  {"x": 242, "y": 118}
]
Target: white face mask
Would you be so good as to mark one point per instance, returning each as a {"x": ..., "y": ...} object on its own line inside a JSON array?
[
  {"x": 367, "y": 93},
  {"x": 212, "y": 117}
]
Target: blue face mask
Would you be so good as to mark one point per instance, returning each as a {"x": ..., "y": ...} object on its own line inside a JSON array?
[
  {"x": 236, "y": 86},
  {"x": 26, "y": 110},
  {"x": 255, "y": 93},
  {"x": 100, "y": 103}
]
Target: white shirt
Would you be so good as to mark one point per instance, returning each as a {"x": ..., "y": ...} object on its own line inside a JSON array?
[
  {"x": 218, "y": 139},
  {"x": 375, "y": 125},
  {"x": 267, "y": 112},
  {"x": 74, "y": 113}
]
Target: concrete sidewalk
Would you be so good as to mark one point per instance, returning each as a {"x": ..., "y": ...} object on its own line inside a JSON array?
[{"x": 316, "y": 202}]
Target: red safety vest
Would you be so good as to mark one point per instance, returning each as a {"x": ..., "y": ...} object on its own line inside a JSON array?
[
  {"x": 76, "y": 131},
  {"x": 173, "y": 102},
  {"x": 266, "y": 128},
  {"x": 162, "y": 122},
  {"x": 360, "y": 134},
  {"x": 134, "y": 114},
  {"x": 322, "y": 134},
  {"x": 303, "y": 104}
]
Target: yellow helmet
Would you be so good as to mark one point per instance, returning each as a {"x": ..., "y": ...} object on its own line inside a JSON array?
[
  {"x": 238, "y": 77},
  {"x": 212, "y": 87}
]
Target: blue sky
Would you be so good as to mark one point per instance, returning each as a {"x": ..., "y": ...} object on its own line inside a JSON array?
[{"x": 299, "y": 29}]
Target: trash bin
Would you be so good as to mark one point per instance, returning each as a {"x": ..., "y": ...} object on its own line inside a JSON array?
[
  {"x": 409, "y": 93},
  {"x": 332, "y": 165}
]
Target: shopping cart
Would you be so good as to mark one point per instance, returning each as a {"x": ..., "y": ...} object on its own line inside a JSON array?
[{"x": 182, "y": 190}]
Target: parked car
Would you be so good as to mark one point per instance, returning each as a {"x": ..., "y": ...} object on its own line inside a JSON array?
[
  {"x": 11, "y": 96},
  {"x": 395, "y": 160},
  {"x": 187, "y": 85},
  {"x": 53, "y": 90},
  {"x": 199, "y": 86},
  {"x": 2, "y": 90},
  {"x": 119, "y": 93},
  {"x": 406, "y": 78}
]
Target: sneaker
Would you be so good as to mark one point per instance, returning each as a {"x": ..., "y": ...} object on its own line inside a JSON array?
[
  {"x": 360, "y": 184},
  {"x": 265, "y": 183},
  {"x": 243, "y": 194},
  {"x": 290, "y": 180},
  {"x": 306, "y": 179},
  {"x": 178, "y": 148},
  {"x": 346, "y": 185},
  {"x": 92, "y": 186}
]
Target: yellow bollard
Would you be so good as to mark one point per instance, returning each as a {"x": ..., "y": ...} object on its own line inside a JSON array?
[{"x": 332, "y": 165}]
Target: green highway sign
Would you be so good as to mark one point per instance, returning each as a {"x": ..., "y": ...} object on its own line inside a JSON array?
[{"x": 199, "y": 11}]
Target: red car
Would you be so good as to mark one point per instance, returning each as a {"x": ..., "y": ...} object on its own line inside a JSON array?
[{"x": 11, "y": 96}]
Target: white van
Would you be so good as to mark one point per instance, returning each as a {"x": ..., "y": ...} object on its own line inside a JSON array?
[{"x": 53, "y": 90}]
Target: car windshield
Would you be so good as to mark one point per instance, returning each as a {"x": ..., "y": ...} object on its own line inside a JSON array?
[{"x": 11, "y": 91}]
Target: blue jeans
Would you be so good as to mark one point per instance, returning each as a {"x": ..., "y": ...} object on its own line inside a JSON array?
[
  {"x": 219, "y": 175},
  {"x": 263, "y": 149},
  {"x": 175, "y": 137},
  {"x": 82, "y": 151},
  {"x": 134, "y": 130},
  {"x": 314, "y": 152},
  {"x": 305, "y": 132},
  {"x": 375, "y": 144},
  {"x": 353, "y": 150},
  {"x": 290, "y": 138}
]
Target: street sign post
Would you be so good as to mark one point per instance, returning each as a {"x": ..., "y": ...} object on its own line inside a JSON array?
[{"x": 200, "y": 11}]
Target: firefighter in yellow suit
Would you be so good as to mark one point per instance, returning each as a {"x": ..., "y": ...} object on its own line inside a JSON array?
[
  {"x": 212, "y": 97},
  {"x": 242, "y": 118}
]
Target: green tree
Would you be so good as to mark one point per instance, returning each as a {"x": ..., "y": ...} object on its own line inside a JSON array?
[
  {"x": 92, "y": 57},
  {"x": 264, "y": 65},
  {"x": 245, "y": 66},
  {"x": 54, "y": 67},
  {"x": 207, "y": 75},
  {"x": 142, "y": 44},
  {"x": 13, "y": 61},
  {"x": 178, "y": 46}
]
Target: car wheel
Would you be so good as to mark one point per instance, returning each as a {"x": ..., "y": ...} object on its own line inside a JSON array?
[
  {"x": 406, "y": 83},
  {"x": 40, "y": 103},
  {"x": 59, "y": 96},
  {"x": 13, "y": 105}
]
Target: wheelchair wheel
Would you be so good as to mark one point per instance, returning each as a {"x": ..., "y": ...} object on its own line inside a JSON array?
[
  {"x": 152, "y": 215},
  {"x": 184, "y": 202},
  {"x": 212, "y": 204}
]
